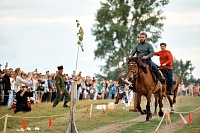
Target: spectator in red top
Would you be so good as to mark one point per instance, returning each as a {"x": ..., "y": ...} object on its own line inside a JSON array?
[{"x": 166, "y": 60}]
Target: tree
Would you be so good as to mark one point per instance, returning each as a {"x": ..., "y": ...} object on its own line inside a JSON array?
[
  {"x": 183, "y": 70},
  {"x": 118, "y": 24}
]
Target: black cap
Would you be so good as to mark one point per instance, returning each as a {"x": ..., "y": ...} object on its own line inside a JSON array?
[{"x": 60, "y": 67}]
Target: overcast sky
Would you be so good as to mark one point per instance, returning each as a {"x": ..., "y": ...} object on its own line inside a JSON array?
[{"x": 42, "y": 34}]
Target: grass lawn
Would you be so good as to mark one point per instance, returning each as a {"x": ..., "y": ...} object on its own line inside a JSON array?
[
  {"x": 39, "y": 116},
  {"x": 184, "y": 104}
]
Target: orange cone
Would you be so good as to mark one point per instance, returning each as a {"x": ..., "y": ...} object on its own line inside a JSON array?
[
  {"x": 167, "y": 117},
  {"x": 190, "y": 117},
  {"x": 50, "y": 122},
  {"x": 103, "y": 111},
  {"x": 154, "y": 131},
  {"x": 184, "y": 120},
  {"x": 86, "y": 111},
  {"x": 24, "y": 124}
]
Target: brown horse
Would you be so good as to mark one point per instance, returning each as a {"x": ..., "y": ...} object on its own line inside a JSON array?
[
  {"x": 144, "y": 84},
  {"x": 174, "y": 89}
]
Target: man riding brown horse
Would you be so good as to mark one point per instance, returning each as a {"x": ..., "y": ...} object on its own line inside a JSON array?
[
  {"x": 166, "y": 60},
  {"x": 144, "y": 84},
  {"x": 146, "y": 51}
]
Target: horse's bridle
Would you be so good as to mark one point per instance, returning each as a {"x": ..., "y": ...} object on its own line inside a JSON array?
[{"x": 135, "y": 75}]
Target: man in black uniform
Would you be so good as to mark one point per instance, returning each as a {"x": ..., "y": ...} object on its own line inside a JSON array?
[{"x": 122, "y": 81}]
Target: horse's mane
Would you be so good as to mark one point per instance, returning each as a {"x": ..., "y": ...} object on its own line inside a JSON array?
[
  {"x": 136, "y": 60},
  {"x": 139, "y": 62}
]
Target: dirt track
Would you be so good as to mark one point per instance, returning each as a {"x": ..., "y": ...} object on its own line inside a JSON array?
[{"x": 119, "y": 126}]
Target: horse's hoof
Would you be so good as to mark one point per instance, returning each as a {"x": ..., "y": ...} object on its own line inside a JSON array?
[
  {"x": 160, "y": 113},
  {"x": 147, "y": 121},
  {"x": 144, "y": 111}
]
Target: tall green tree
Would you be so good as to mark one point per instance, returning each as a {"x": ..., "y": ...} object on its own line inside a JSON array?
[
  {"x": 117, "y": 28},
  {"x": 183, "y": 70}
]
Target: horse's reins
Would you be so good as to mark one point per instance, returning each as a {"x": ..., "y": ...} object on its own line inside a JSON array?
[{"x": 135, "y": 75}]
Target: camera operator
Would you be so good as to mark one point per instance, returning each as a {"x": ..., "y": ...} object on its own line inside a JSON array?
[{"x": 21, "y": 98}]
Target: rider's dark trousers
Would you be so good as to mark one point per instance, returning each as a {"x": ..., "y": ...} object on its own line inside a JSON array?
[
  {"x": 152, "y": 66},
  {"x": 169, "y": 74}
]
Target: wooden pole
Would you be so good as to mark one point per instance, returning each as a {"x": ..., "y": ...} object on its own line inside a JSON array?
[
  {"x": 72, "y": 125},
  {"x": 5, "y": 123},
  {"x": 135, "y": 101},
  {"x": 91, "y": 110}
]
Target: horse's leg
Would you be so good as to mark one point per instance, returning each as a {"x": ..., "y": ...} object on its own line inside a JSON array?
[
  {"x": 175, "y": 94},
  {"x": 156, "y": 104},
  {"x": 138, "y": 104},
  {"x": 148, "y": 111},
  {"x": 171, "y": 103},
  {"x": 160, "y": 113}
]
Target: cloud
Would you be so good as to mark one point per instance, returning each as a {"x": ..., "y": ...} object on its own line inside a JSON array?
[{"x": 183, "y": 19}]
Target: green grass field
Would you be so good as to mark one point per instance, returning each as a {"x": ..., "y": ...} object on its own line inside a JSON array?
[{"x": 40, "y": 114}]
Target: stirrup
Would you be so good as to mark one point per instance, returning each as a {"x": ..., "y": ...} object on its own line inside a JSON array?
[
  {"x": 170, "y": 93},
  {"x": 162, "y": 81}
]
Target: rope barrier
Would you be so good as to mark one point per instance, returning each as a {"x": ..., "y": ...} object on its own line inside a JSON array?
[
  {"x": 2, "y": 117},
  {"x": 182, "y": 112},
  {"x": 45, "y": 116},
  {"x": 160, "y": 121},
  {"x": 155, "y": 131},
  {"x": 90, "y": 106}
]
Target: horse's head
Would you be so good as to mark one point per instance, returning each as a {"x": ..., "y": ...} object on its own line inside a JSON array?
[{"x": 132, "y": 69}]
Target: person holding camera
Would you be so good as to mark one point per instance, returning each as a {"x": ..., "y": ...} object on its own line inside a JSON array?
[
  {"x": 19, "y": 81},
  {"x": 21, "y": 98}
]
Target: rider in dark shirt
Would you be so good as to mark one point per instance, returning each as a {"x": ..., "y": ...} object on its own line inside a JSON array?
[{"x": 146, "y": 51}]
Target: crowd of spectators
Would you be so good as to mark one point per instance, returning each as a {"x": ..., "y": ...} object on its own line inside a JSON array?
[
  {"x": 44, "y": 89},
  {"x": 190, "y": 90}
]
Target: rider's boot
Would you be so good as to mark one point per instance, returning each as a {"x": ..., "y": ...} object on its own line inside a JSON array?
[
  {"x": 169, "y": 90},
  {"x": 160, "y": 78}
]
